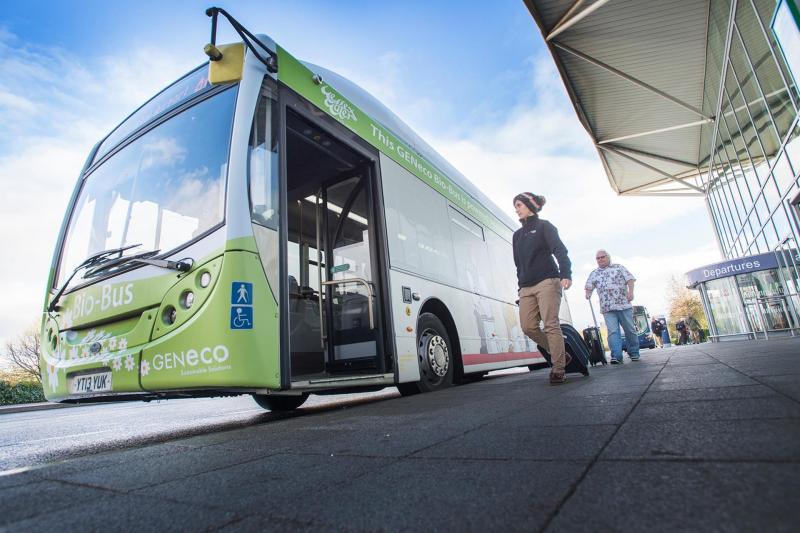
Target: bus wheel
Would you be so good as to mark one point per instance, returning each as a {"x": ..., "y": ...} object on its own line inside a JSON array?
[
  {"x": 280, "y": 403},
  {"x": 434, "y": 353}
]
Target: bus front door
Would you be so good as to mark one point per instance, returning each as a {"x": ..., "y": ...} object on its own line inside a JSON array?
[
  {"x": 336, "y": 288},
  {"x": 352, "y": 328}
]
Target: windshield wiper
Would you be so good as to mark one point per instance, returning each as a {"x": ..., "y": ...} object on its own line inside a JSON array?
[
  {"x": 102, "y": 262},
  {"x": 184, "y": 265},
  {"x": 92, "y": 260}
]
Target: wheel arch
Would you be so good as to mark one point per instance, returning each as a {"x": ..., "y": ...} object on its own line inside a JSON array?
[{"x": 438, "y": 308}]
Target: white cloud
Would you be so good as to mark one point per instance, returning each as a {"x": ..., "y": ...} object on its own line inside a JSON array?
[
  {"x": 54, "y": 108},
  {"x": 544, "y": 149},
  {"x": 12, "y": 102}
]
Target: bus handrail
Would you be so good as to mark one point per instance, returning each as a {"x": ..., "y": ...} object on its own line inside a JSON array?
[{"x": 365, "y": 283}]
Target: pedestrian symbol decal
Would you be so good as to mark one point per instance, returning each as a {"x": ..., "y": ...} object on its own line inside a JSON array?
[
  {"x": 241, "y": 305},
  {"x": 241, "y": 293}
]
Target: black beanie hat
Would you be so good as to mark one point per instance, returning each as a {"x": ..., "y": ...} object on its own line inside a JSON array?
[{"x": 528, "y": 198}]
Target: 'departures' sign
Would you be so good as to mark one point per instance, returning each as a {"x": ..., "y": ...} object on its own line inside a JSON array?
[{"x": 743, "y": 265}]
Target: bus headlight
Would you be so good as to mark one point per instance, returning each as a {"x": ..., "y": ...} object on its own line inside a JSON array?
[
  {"x": 187, "y": 299},
  {"x": 170, "y": 315},
  {"x": 205, "y": 279}
]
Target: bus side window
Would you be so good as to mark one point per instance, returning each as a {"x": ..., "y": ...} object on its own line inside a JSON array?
[
  {"x": 263, "y": 158},
  {"x": 471, "y": 258}
]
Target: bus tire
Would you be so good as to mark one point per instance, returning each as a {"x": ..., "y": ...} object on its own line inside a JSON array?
[
  {"x": 434, "y": 354},
  {"x": 280, "y": 403}
]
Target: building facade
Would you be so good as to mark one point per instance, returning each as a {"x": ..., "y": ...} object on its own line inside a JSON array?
[
  {"x": 697, "y": 98},
  {"x": 752, "y": 187},
  {"x": 754, "y": 158}
]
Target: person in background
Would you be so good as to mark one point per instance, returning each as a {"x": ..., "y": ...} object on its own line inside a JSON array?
[
  {"x": 541, "y": 280},
  {"x": 683, "y": 332},
  {"x": 665, "y": 339},
  {"x": 657, "y": 328},
  {"x": 694, "y": 328},
  {"x": 614, "y": 284}
]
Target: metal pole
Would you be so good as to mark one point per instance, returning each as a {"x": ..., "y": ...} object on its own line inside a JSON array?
[
  {"x": 594, "y": 318},
  {"x": 785, "y": 311},
  {"x": 761, "y": 318}
]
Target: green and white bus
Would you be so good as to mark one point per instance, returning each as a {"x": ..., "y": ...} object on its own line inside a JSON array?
[{"x": 264, "y": 226}]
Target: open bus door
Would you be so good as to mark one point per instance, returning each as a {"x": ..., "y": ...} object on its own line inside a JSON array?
[{"x": 335, "y": 267}]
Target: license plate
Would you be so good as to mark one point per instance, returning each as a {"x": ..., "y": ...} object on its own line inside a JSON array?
[{"x": 86, "y": 383}]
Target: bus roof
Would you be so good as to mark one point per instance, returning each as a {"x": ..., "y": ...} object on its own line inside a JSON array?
[{"x": 382, "y": 114}]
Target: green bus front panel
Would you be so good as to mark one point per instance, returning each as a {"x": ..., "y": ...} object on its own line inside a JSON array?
[
  {"x": 225, "y": 340},
  {"x": 233, "y": 342}
]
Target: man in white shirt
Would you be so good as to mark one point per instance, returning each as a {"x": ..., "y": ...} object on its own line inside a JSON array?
[{"x": 614, "y": 284}]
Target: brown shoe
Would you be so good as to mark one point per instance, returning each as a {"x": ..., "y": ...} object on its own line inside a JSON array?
[{"x": 557, "y": 378}]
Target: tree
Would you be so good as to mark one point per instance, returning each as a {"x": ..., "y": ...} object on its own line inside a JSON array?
[
  {"x": 24, "y": 351},
  {"x": 684, "y": 303}
]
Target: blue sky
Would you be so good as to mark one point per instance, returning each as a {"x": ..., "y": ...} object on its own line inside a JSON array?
[{"x": 473, "y": 79}]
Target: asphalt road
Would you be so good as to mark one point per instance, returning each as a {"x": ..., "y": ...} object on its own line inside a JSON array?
[{"x": 36, "y": 437}]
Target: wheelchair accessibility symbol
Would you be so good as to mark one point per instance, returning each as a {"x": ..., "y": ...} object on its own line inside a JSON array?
[{"x": 241, "y": 317}]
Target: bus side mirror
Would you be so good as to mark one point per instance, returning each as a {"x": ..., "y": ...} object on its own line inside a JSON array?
[{"x": 226, "y": 63}]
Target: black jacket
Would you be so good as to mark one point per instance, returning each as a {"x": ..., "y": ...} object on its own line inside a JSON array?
[{"x": 535, "y": 244}]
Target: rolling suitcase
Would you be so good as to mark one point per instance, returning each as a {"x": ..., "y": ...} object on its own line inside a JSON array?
[
  {"x": 576, "y": 348},
  {"x": 595, "y": 343}
]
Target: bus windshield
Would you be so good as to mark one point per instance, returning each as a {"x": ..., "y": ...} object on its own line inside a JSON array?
[{"x": 160, "y": 191}]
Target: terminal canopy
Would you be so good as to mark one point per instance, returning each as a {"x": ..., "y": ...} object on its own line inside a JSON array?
[{"x": 635, "y": 71}]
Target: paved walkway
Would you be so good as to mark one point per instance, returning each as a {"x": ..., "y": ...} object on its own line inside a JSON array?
[{"x": 689, "y": 438}]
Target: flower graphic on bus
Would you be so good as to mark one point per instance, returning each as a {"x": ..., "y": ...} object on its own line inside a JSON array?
[
  {"x": 112, "y": 343},
  {"x": 145, "y": 367},
  {"x": 123, "y": 343},
  {"x": 116, "y": 364},
  {"x": 129, "y": 363},
  {"x": 337, "y": 106}
]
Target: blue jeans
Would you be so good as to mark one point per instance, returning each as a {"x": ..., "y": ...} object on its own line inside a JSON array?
[{"x": 624, "y": 318}]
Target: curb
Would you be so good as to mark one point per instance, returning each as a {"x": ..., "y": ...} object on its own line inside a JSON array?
[{"x": 41, "y": 406}]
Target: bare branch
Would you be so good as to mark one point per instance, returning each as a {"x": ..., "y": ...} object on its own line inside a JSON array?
[{"x": 24, "y": 351}]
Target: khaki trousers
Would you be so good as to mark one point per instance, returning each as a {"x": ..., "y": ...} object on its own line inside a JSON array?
[{"x": 540, "y": 303}]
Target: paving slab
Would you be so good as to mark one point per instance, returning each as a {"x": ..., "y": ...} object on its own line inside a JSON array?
[
  {"x": 716, "y": 375},
  {"x": 711, "y": 393},
  {"x": 713, "y": 440},
  {"x": 142, "y": 472},
  {"x": 270, "y": 486},
  {"x": 675, "y": 496},
  {"x": 443, "y": 495},
  {"x": 508, "y": 440},
  {"x": 718, "y": 409},
  {"x": 30, "y": 499},
  {"x": 124, "y": 513}
]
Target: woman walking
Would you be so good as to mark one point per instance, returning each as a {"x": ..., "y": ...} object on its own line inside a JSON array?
[{"x": 541, "y": 280}]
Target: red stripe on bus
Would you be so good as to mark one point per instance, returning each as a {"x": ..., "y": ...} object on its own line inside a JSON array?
[{"x": 480, "y": 358}]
